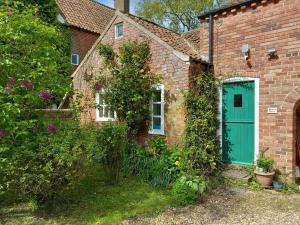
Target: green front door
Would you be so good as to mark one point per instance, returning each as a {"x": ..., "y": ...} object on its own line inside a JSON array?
[{"x": 238, "y": 123}]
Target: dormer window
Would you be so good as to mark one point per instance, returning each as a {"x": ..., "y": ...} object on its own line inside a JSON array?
[
  {"x": 75, "y": 59},
  {"x": 119, "y": 29}
]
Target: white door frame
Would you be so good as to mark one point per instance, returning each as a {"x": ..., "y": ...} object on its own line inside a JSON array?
[{"x": 256, "y": 110}]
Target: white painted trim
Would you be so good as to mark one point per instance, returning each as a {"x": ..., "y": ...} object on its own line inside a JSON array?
[
  {"x": 256, "y": 110},
  {"x": 160, "y": 87},
  {"x": 102, "y": 119},
  {"x": 116, "y": 31}
]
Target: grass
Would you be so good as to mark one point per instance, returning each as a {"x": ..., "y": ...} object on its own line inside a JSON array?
[{"x": 96, "y": 203}]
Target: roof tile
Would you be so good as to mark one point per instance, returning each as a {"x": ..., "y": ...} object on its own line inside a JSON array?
[{"x": 86, "y": 14}]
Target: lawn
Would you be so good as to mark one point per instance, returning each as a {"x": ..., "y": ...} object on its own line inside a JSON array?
[{"x": 96, "y": 203}]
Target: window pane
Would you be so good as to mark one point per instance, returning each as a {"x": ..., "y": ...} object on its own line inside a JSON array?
[
  {"x": 100, "y": 108},
  {"x": 106, "y": 112},
  {"x": 157, "y": 96},
  {"x": 101, "y": 102},
  {"x": 238, "y": 100},
  {"x": 75, "y": 59},
  {"x": 156, "y": 123},
  {"x": 119, "y": 30},
  {"x": 156, "y": 109}
]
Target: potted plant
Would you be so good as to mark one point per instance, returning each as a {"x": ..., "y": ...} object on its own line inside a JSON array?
[{"x": 264, "y": 172}]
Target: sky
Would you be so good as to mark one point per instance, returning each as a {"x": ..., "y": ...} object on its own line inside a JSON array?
[{"x": 110, "y": 3}]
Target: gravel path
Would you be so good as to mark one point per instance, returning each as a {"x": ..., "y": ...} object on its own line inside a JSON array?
[{"x": 233, "y": 206}]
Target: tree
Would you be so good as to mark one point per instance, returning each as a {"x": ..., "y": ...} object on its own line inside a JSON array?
[
  {"x": 33, "y": 68},
  {"x": 47, "y": 9},
  {"x": 178, "y": 15}
]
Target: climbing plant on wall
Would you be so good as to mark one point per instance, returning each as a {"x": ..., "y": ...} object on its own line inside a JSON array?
[
  {"x": 202, "y": 148},
  {"x": 130, "y": 83}
]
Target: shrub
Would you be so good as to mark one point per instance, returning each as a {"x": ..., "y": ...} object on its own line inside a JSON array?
[
  {"x": 111, "y": 140},
  {"x": 265, "y": 163},
  {"x": 157, "y": 164},
  {"x": 43, "y": 167},
  {"x": 202, "y": 148},
  {"x": 187, "y": 189}
]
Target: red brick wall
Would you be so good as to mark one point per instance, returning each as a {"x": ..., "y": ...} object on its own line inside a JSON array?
[
  {"x": 173, "y": 71},
  {"x": 274, "y": 24},
  {"x": 81, "y": 42}
]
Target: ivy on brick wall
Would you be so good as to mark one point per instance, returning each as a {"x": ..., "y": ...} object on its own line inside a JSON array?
[
  {"x": 202, "y": 147},
  {"x": 130, "y": 85}
]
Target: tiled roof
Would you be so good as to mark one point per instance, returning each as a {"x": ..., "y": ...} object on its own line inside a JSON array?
[
  {"x": 86, "y": 14},
  {"x": 173, "y": 39},
  {"x": 193, "y": 37}
]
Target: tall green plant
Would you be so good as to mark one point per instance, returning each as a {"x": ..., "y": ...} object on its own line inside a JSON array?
[
  {"x": 112, "y": 140},
  {"x": 202, "y": 148},
  {"x": 130, "y": 87}
]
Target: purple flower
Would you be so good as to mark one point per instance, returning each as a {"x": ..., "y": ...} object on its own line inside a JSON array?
[
  {"x": 12, "y": 82},
  {"x": 45, "y": 95},
  {"x": 98, "y": 85},
  {"x": 52, "y": 128},
  {"x": 26, "y": 84},
  {"x": 3, "y": 133}
]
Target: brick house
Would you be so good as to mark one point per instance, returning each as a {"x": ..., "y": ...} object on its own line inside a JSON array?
[
  {"x": 256, "y": 53},
  {"x": 172, "y": 57},
  {"x": 252, "y": 46},
  {"x": 86, "y": 20}
]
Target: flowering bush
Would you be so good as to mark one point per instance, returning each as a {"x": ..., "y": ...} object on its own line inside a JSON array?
[{"x": 34, "y": 74}]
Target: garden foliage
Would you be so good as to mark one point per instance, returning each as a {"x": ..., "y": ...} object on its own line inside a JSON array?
[
  {"x": 202, "y": 148},
  {"x": 187, "y": 188},
  {"x": 111, "y": 141},
  {"x": 157, "y": 163},
  {"x": 38, "y": 158},
  {"x": 34, "y": 70},
  {"x": 130, "y": 84}
]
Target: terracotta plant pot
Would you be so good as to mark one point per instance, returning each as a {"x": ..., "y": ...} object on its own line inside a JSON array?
[{"x": 265, "y": 179}]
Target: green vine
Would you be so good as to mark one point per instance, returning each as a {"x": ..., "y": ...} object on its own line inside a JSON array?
[
  {"x": 130, "y": 84},
  {"x": 202, "y": 148}
]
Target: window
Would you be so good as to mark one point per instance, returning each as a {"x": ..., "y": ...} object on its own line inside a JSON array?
[
  {"x": 119, "y": 30},
  {"x": 157, "y": 111},
  {"x": 75, "y": 59},
  {"x": 102, "y": 110},
  {"x": 238, "y": 100}
]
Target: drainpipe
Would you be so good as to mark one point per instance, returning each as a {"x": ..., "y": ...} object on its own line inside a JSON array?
[{"x": 211, "y": 40}]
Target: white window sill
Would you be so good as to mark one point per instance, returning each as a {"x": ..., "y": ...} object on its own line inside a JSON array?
[
  {"x": 105, "y": 120},
  {"x": 157, "y": 132}
]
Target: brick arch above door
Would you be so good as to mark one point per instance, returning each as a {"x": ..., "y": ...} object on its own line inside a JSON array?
[{"x": 290, "y": 99}]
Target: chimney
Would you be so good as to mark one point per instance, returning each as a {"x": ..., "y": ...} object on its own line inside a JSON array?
[{"x": 122, "y": 5}]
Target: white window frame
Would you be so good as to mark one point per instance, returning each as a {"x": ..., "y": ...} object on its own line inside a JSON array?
[
  {"x": 98, "y": 117},
  {"x": 77, "y": 59},
  {"x": 162, "y": 104},
  {"x": 116, "y": 30}
]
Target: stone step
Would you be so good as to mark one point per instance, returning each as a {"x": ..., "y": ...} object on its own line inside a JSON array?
[{"x": 237, "y": 173}]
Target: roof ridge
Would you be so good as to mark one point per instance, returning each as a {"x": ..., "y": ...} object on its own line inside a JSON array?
[
  {"x": 149, "y": 21},
  {"x": 99, "y": 3},
  {"x": 190, "y": 31}
]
